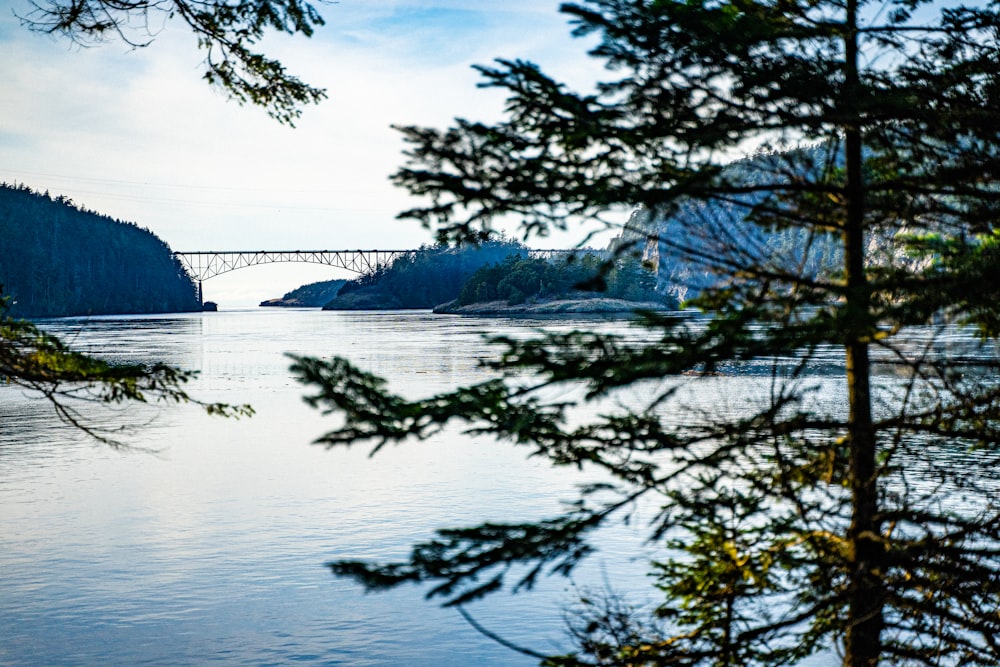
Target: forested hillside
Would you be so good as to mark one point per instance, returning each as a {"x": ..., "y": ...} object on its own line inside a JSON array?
[
  {"x": 58, "y": 260},
  {"x": 421, "y": 279},
  {"x": 696, "y": 245},
  {"x": 520, "y": 279},
  {"x": 313, "y": 295}
]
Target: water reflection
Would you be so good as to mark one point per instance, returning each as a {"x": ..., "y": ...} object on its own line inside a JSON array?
[{"x": 212, "y": 551}]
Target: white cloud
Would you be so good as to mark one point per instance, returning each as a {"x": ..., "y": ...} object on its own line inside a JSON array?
[{"x": 137, "y": 134}]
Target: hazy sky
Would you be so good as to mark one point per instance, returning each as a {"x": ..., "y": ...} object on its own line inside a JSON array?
[{"x": 136, "y": 134}]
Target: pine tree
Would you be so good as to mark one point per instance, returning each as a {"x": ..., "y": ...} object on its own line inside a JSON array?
[{"x": 834, "y": 511}]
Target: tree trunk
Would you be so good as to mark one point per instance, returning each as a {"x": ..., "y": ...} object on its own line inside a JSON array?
[{"x": 866, "y": 599}]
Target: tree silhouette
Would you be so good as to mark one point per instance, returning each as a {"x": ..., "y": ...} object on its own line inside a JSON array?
[
  {"x": 851, "y": 501},
  {"x": 58, "y": 260}
]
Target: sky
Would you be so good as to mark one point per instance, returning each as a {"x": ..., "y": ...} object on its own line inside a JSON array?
[{"x": 137, "y": 135}]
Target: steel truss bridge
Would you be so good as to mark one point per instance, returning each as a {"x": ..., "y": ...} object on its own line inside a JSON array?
[{"x": 205, "y": 264}]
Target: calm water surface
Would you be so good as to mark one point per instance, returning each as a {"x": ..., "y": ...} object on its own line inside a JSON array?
[
  {"x": 212, "y": 550},
  {"x": 209, "y": 546}
]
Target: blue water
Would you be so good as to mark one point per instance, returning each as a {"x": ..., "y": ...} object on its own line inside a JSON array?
[
  {"x": 206, "y": 542},
  {"x": 210, "y": 547}
]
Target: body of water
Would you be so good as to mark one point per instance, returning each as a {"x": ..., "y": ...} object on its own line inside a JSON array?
[
  {"x": 206, "y": 543},
  {"x": 211, "y": 549}
]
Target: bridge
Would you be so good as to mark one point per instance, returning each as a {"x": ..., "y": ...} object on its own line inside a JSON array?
[{"x": 205, "y": 264}]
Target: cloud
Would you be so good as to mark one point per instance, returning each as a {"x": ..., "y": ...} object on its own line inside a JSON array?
[{"x": 138, "y": 135}]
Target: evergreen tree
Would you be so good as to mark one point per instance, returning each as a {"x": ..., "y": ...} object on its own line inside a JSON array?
[
  {"x": 422, "y": 279},
  {"x": 58, "y": 260},
  {"x": 518, "y": 279},
  {"x": 831, "y": 510}
]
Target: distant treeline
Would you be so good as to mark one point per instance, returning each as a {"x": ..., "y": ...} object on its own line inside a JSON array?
[
  {"x": 422, "y": 279},
  {"x": 57, "y": 259},
  {"x": 496, "y": 271},
  {"x": 313, "y": 295},
  {"x": 519, "y": 279}
]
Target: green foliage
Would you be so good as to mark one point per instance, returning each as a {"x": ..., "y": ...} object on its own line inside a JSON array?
[
  {"x": 58, "y": 260},
  {"x": 959, "y": 273},
  {"x": 518, "y": 279},
  {"x": 422, "y": 279},
  {"x": 313, "y": 295},
  {"x": 226, "y": 31},
  {"x": 851, "y": 501},
  {"x": 41, "y": 363}
]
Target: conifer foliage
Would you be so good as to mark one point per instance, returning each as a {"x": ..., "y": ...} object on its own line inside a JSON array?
[
  {"x": 853, "y": 502},
  {"x": 36, "y": 361},
  {"x": 58, "y": 260}
]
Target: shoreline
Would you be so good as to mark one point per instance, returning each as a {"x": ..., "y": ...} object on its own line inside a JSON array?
[{"x": 553, "y": 307}]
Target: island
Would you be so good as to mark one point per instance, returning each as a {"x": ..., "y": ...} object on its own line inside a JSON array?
[{"x": 499, "y": 277}]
